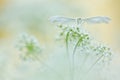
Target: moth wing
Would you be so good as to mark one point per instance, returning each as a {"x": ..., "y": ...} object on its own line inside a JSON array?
[
  {"x": 98, "y": 19},
  {"x": 62, "y": 20}
]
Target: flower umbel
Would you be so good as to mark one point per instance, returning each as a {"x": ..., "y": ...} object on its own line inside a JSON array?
[{"x": 29, "y": 46}]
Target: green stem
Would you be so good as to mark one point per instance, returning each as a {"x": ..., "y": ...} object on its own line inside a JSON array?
[
  {"x": 83, "y": 63},
  {"x": 93, "y": 65},
  {"x": 85, "y": 59},
  {"x": 66, "y": 40},
  {"x": 80, "y": 39},
  {"x": 68, "y": 55},
  {"x": 73, "y": 56}
]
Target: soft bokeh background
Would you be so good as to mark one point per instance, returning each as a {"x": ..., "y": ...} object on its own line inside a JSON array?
[{"x": 31, "y": 16}]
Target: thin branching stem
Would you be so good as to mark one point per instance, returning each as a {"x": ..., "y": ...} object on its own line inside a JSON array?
[
  {"x": 93, "y": 65},
  {"x": 73, "y": 56},
  {"x": 83, "y": 63},
  {"x": 76, "y": 45},
  {"x": 66, "y": 40},
  {"x": 68, "y": 55}
]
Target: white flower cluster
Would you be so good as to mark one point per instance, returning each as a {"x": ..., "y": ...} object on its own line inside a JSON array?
[{"x": 28, "y": 45}]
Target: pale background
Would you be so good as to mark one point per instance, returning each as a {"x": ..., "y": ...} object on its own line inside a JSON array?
[{"x": 17, "y": 16}]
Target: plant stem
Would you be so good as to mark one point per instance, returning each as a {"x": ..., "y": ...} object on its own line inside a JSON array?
[
  {"x": 83, "y": 63},
  {"x": 67, "y": 37},
  {"x": 93, "y": 65},
  {"x": 68, "y": 55},
  {"x": 76, "y": 45},
  {"x": 73, "y": 56}
]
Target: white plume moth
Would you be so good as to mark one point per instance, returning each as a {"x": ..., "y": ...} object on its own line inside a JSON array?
[{"x": 79, "y": 21}]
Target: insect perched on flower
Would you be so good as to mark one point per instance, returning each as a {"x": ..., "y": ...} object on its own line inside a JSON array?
[{"x": 79, "y": 21}]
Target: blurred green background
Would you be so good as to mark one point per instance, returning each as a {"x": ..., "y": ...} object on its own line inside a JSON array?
[{"x": 31, "y": 16}]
